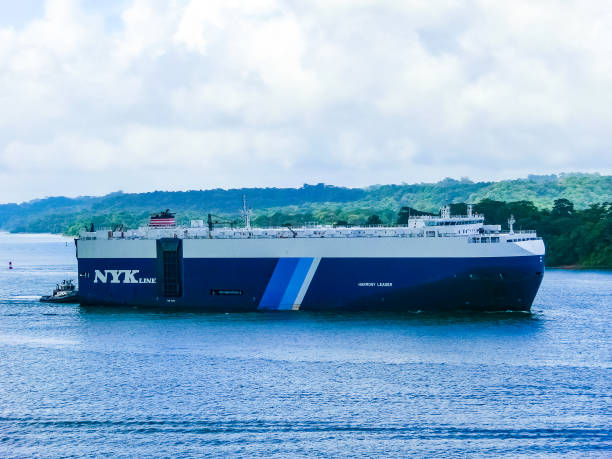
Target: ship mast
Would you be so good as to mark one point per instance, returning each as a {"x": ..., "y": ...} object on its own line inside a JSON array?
[
  {"x": 246, "y": 213},
  {"x": 511, "y": 222}
]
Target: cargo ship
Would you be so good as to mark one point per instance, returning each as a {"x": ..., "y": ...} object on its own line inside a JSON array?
[{"x": 433, "y": 263}]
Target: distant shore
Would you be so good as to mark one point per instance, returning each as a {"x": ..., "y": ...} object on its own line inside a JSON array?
[
  {"x": 580, "y": 268},
  {"x": 36, "y": 237}
]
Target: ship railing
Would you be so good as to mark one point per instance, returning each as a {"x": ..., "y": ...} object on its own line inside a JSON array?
[
  {"x": 285, "y": 236},
  {"x": 438, "y": 217},
  {"x": 327, "y": 236},
  {"x": 276, "y": 233},
  {"x": 521, "y": 239}
]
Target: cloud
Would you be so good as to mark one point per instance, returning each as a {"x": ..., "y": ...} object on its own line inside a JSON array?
[{"x": 172, "y": 95}]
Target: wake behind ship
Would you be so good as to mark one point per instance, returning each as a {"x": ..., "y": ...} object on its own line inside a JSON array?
[{"x": 432, "y": 263}]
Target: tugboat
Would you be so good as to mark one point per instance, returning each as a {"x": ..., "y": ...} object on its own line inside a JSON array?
[{"x": 64, "y": 293}]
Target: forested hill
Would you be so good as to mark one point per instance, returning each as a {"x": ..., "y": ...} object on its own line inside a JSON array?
[{"x": 315, "y": 203}]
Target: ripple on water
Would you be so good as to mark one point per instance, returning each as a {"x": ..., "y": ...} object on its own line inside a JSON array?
[{"x": 130, "y": 382}]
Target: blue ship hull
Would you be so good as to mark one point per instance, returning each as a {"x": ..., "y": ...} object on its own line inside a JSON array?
[{"x": 250, "y": 284}]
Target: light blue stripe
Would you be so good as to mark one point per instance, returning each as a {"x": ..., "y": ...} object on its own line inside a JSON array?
[
  {"x": 277, "y": 285},
  {"x": 296, "y": 282}
]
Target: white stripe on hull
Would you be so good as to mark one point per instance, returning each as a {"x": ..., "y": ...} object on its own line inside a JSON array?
[
  {"x": 391, "y": 247},
  {"x": 117, "y": 248},
  {"x": 306, "y": 284},
  {"x": 383, "y": 247}
]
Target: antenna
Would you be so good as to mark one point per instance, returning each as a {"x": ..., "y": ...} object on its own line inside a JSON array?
[
  {"x": 511, "y": 222},
  {"x": 246, "y": 213},
  {"x": 210, "y": 226}
]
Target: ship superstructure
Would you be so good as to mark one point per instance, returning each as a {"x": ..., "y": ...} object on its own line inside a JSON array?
[{"x": 434, "y": 262}]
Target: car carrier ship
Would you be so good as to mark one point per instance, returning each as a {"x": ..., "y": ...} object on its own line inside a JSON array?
[{"x": 443, "y": 262}]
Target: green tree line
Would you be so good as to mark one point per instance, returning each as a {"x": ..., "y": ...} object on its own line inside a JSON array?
[
  {"x": 570, "y": 211},
  {"x": 573, "y": 237},
  {"x": 320, "y": 202}
]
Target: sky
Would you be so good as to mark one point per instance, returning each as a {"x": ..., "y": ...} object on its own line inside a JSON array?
[{"x": 139, "y": 95}]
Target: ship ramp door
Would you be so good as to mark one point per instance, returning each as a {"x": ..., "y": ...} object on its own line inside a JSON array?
[{"x": 169, "y": 267}]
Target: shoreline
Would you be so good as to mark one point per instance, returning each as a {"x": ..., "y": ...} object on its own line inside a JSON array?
[
  {"x": 37, "y": 237},
  {"x": 580, "y": 268}
]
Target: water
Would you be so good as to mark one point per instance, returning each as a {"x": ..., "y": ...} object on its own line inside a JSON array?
[{"x": 98, "y": 382}]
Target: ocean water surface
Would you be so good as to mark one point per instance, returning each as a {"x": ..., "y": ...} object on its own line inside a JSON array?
[{"x": 129, "y": 382}]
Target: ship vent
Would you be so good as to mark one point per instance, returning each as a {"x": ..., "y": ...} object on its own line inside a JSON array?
[{"x": 169, "y": 259}]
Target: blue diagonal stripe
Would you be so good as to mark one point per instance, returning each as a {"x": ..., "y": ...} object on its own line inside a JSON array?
[{"x": 278, "y": 282}]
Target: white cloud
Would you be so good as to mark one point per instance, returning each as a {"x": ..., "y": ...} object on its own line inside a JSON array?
[{"x": 187, "y": 94}]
